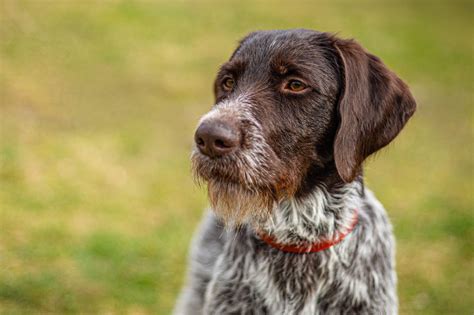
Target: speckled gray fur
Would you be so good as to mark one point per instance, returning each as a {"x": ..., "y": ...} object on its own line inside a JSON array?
[
  {"x": 233, "y": 272},
  {"x": 294, "y": 173}
]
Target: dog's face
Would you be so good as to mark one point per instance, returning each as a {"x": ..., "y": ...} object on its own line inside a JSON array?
[{"x": 293, "y": 108}]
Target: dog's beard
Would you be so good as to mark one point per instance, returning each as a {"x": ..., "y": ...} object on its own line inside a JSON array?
[
  {"x": 237, "y": 205},
  {"x": 236, "y": 197}
]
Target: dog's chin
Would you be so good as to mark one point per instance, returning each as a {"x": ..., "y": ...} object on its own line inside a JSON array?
[{"x": 236, "y": 204}]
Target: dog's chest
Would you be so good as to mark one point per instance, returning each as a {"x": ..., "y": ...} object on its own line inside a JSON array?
[{"x": 250, "y": 278}]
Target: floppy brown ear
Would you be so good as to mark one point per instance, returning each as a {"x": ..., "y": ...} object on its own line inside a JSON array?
[{"x": 374, "y": 106}]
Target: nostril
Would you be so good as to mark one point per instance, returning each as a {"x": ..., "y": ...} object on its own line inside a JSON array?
[
  {"x": 200, "y": 142},
  {"x": 221, "y": 144}
]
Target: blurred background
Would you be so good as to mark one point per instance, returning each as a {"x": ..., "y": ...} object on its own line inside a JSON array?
[{"x": 98, "y": 104}]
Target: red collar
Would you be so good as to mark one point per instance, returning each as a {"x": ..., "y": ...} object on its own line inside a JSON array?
[{"x": 312, "y": 248}]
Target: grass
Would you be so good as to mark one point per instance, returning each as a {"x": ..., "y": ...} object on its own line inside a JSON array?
[{"x": 98, "y": 105}]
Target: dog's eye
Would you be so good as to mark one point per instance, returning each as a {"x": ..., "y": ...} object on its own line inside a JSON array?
[
  {"x": 228, "y": 84},
  {"x": 295, "y": 86}
]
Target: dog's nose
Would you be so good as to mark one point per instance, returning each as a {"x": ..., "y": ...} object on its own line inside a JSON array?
[{"x": 217, "y": 138}]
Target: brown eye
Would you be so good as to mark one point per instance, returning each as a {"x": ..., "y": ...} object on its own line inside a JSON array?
[
  {"x": 228, "y": 84},
  {"x": 295, "y": 86}
]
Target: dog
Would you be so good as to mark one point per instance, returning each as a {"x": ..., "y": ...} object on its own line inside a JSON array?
[{"x": 293, "y": 230}]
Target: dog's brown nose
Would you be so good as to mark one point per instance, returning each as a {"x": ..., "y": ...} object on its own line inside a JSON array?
[{"x": 216, "y": 138}]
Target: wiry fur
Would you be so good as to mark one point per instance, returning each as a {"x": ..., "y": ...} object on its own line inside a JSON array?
[
  {"x": 234, "y": 272},
  {"x": 318, "y": 217},
  {"x": 296, "y": 176}
]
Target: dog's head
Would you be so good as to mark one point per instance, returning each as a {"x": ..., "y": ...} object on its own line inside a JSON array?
[{"x": 294, "y": 108}]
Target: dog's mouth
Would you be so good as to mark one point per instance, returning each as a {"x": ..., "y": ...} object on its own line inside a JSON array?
[
  {"x": 242, "y": 186},
  {"x": 240, "y": 168}
]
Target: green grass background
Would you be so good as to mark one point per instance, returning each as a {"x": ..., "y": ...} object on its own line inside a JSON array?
[{"x": 99, "y": 100}]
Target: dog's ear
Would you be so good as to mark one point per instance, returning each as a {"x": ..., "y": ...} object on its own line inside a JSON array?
[{"x": 374, "y": 106}]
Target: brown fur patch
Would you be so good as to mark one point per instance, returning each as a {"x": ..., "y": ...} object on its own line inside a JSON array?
[{"x": 236, "y": 205}]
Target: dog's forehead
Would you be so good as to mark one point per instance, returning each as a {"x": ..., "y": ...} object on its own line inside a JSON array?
[
  {"x": 263, "y": 48},
  {"x": 268, "y": 43}
]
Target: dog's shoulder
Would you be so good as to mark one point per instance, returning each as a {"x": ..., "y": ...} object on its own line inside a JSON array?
[
  {"x": 375, "y": 210},
  {"x": 211, "y": 236},
  {"x": 208, "y": 243}
]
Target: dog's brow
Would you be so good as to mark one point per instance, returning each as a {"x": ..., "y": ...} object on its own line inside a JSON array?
[
  {"x": 286, "y": 67},
  {"x": 234, "y": 66},
  {"x": 283, "y": 66}
]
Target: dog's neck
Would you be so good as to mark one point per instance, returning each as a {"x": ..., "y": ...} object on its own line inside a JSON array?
[{"x": 319, "y": 216}]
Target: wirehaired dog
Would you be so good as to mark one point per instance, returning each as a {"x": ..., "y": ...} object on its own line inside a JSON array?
[{"x": 293, "y": 229}]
